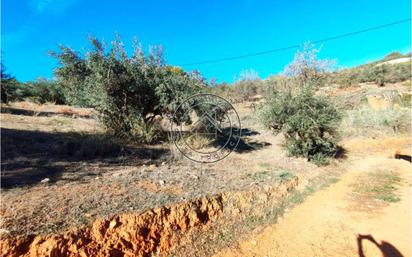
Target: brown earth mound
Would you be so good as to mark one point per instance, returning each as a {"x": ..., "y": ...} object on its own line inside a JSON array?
[{"x": 155, "y": 231}]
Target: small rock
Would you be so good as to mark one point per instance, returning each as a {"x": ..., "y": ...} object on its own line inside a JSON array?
[
  {"x": 46, "y": 180},
  {"x": 253, "y": 242},
  {"x": 161, "y": 182},
  {"x": 267, "y": 188},
  {"x": 88, "y": 215},
  {"x": 152, "y": 167},
  {"x": 163, "y": 163},
  {"x": 116, "y": 174},
  {"x": 4, "y": 231},
  {"x": 112, "y": 224}
]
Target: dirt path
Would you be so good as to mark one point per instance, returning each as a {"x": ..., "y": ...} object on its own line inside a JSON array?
[{"x": 328, "y": 222}]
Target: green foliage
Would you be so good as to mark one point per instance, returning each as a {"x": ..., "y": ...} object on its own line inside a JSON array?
[
  {"x": 307, "y": 121},
  {"x": 307, "y": 68},
  {"x": 9, "y": 86},
  {"x": 223, "y": 89},
  {"x": 148, "y": 133},
  {"x": 246, "y": 89},
  {"x": 247, "y": 86},
  {"x": 39, "y": 91},
  {"x": 128, "y": 91},
  {"x": 285, "y": 175},
  {"x": 377, "y": 73},
  {"x": 277, "y": 83},
  {"x": 398, "y": 72},
  {"x": 42, "y": 91}
]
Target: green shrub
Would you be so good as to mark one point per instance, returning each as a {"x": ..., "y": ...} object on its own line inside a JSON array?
[
  {"x": 277, "y": 83},
  {"x": 307, "y": 121},
  {"x": 307, "y": 68},
  {"x": 9, "y": 86},
  {"x": 246, "y": 89},
  {"x": 148, "y": 133},
  {"x": 246, "y": 86},
  {"x": 42, "y": 91},
  {"x": 223, "y": 89},
  {"x": 398, "y": 72},
  {"x": 377, "y": 73},
  {"x": 129, "y": 91}
]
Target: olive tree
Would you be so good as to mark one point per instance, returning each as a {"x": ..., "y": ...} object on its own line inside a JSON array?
[{"x": 128, "y": 91}]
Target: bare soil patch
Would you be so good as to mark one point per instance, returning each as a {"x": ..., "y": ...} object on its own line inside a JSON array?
[
  {"x": 330, "y": 222},
  {"x": 91, "y": 179},
  {"x": 63, "y": 172}
]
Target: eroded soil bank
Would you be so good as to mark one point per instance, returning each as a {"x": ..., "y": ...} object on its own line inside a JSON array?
[{"x": 155, "y": 231}]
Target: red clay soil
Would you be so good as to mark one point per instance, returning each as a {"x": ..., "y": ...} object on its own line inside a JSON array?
[{"x": 153, "y": 232}]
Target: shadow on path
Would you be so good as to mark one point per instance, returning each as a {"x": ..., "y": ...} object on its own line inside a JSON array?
[{"x": 387, "y": 249}]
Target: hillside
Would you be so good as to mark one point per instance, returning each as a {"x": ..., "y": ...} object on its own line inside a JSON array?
[{"x": 70, "y": 188}]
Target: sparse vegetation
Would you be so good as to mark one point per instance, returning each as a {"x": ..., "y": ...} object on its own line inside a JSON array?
[
  {"x": 306, "y": 68},
  {"x": 364, "y": 120},
  {"x": 70, "y": 159},
  {"x": 227, "y": 144},
  {"x": 197, "y": 141},
  {"x": 378, "y": 73},
  {"x": 395, "y": 55},
  {"x": 308, "y": 123},
  {"x": 247, "y": 86},
  {"x": 381, "y": 185}
]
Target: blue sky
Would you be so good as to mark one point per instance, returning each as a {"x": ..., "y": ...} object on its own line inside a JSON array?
[{"x": 192, "y": 31}]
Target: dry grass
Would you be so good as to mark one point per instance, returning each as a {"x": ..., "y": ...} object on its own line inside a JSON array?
[
  {"x": 198, "y": 142},
  {"x": 366, "y": 121},
  {"x": 48, "y": 109},
  {"x": 376, "y": 189},
  {"x": 92, "y": 175}
]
